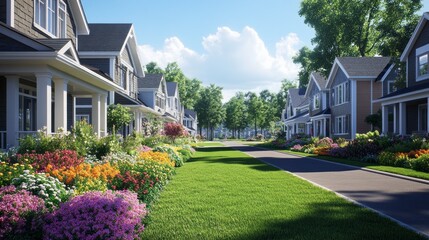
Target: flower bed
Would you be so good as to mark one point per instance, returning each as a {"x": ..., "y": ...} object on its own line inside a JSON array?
[{"x": 60, "y": 193}]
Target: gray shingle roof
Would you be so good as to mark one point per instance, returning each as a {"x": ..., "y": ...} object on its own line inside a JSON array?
[
  {"x": 320, "y": 79},
  {"x": 56, "y": 44},
  {"x": 190, "y": 113},
  {"x": 171, "y": 88},
  {"x": 296, "y": 96},
  {"x": 104, "y": 37},
  {"x": 150, "y": 80},
  {"x": 364, "y": 66}
]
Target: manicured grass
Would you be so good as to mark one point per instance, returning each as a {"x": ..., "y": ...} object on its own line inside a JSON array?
[
  {"x": 225, "y": 194},
  {"x": 397, "y": 170},
  {"x": 209, "y": 144}
]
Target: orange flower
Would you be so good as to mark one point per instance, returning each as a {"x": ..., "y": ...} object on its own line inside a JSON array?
[{"x": 159, "y": 157}]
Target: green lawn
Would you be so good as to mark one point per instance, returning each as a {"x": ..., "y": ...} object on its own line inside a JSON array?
[
  {"x": 225, "y": 194},
  {"x": 209, "y": 144}
]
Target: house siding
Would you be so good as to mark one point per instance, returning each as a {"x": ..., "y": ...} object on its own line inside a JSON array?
[
  {"x": 125, "y": 56},
  {"x": 412, "y": 115},
  {"x": 2, "y": 104},
  {"x": 83, "y": 101},
  {"x": 101, "y": 63},
  {"x": 422, "y": 40},
  {"x": 70, "y": 109},
  {"x": 24, "y": 17},
  {"x": 339, "y": 110},
  {"x": 377, "y": 92},
  {"x": 3, "y": 12},
  {"x": 148, "y": 98},
  {"x": 313, "y": 91},
  {"x": 363, "y": 106},
  {"x": 392, "y": 76}
]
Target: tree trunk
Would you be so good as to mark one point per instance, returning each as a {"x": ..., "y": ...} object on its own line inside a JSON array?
[{"x": 256, "y": 129}]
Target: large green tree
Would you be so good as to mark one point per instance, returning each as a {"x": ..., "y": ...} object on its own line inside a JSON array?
[
  {"x": 282, "y": 95},
  {"x": 153, "y": 68},
  {"x": 209, "y": 108},
  {"x": 236, "y": 114},
  {"x": 354, "y": 28},
  {"x": 255, "y": 110}
]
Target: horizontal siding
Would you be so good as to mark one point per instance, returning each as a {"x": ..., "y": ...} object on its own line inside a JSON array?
[
  {"x": 2, "y": 104},
  {"x": 422, "y": 40}
]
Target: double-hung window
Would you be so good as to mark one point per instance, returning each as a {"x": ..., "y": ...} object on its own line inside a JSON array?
[
  {"x": 341, "y": 93},
  {"x": 50, "y": 16},
  {"x": 423, "y": 64},
  {"x": 316, "y": 101},
  {"x": 341, "y": 125},
  {"x": 391, "y": 86}
]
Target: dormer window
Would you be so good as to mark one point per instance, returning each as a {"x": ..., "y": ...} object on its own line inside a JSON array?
[
  {"x": 50, "y": 16},
  {"x": 391, "y": 86},
  {"x": 316, "y": 101},
  {"x": 423, "y": 64}
]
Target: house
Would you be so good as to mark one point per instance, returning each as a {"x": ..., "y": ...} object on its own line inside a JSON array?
[
  {"x": 319, "y": 110},
  {"x": 174, "y": 107},
  {"x": 112, "y": 48},
  {"x": 296, "y": 112},
  {"x": 153, "y": 93},
  {"x": 405, "y": 111},
  {"x": 190, "y": 121},
  {"x": 353, "y": 87},
  {"x": 40, "y": 72}
]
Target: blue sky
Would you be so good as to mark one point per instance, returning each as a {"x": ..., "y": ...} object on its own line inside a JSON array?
[{"x": 241, "y": 45}]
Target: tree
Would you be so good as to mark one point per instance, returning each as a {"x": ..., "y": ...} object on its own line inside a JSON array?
[
  {"x": 355, "y": 28},
  {"x": 153, "y": 68},
  {"x": 236, "y": 114},
  {"x": 118, "y": 116},
  {"x": 209, "y": 109},
  {"x": 255, "y": 111},
  {"x": 282, "y": 95},
  {"x": 174, "y": 130},
  {"x": 304, "y": 58}
]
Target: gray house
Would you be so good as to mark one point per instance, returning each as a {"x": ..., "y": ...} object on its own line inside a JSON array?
[
  {"x": 41, "y": 74},
  {"x": 353, "y": 89},
  {"x": 112, "y": 49},
  {"x": 190, "y": 121},
  {"x": 174, "y": 106},
  {"x": 319, "y": 110},
  {"x": 408, "y": 106},
  {"x": 153, "y": 93},
  {"x": 296, "y": 112}
]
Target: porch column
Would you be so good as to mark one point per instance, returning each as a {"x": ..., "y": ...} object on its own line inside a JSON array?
[
  {"x": 427, "y": 117},
  {"x": 103, "y": 115},
  {"x": 44, "y": 101},
  {"x": 138, "y": 121},
  {"x": 96, "y": 113},
  {"x": 384, "y": 119},
  {"x": 402, "y": 119},
  {"x": 12, "y": 110},
  {"x": 395, "y": 119},
  {"x": 60, "y": 104},
  {"x": 323, "y": 131}
]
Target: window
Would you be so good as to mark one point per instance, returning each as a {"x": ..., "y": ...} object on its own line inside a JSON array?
[
  {"x": 341, "y": 126},
  {"x": 51, "y": 17},
  {"x": 123, "y": 79},
  {"x": 391, "y": 86},
  {"x": 423, "y": 64},
  {"x": 316, "y": 101},
  {"x": 82, "y": 117},
  {"x": 341, "y": 93},
  {"x": 27, "y": 109}
]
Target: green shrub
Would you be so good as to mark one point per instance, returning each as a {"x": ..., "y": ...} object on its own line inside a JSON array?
[
  {"x": 421, "y": 163},
  {"x": 178, "y": 161},
  {"x": 386, "y": 158}
]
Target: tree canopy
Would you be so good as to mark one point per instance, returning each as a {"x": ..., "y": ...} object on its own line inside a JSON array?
[{"x": 354, "y": 28}]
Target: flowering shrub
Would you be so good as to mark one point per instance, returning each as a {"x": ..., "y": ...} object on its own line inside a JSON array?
[
  {"x": 9, "y": 171},
  {"x": 417, "y": 153},
  {"x": 146, "y": 178},
  {"x": 160, "y": 157},
  {"x": 20, "y": 213},
  {"x": 51, "y": 160},
  {"x": 97, "y": 215},
  {"x": 144, "y": 148},
  {"x": 178, "y": 161},
  {"x": 386, "y": 158},
  {"x": 174, "y": 130},
  {"x": 322, "y": 151},
  {"x": 85, "y": 172},
  {"x": 297, "y": 148},
  {"x": 421, "y": 163},
  {"x": 324, "y": 142},
  {"x": 49, "y": 189}
]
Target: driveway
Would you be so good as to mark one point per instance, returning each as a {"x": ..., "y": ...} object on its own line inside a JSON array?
[{"x": 401, "y": 199}]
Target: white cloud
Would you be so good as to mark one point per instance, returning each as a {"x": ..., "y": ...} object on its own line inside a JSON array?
[{"x": 236, "y": 61}]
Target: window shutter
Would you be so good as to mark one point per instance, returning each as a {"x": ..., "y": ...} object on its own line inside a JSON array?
[{"x": 347, "y": 91}]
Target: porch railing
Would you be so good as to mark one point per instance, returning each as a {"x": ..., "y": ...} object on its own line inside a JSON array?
[{"x": 3, "y": 143}]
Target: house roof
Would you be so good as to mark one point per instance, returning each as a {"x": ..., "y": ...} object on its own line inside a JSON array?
[
  {"x": 105, "y": 37},
  {"x": 124, "y": 99},
  {"x": 56, "y": 44},
  {"x": 414, "y": 37},
  {"x": 171, "y": 88},
  {"x": 411, "y": 89},
  {"x": 150, "y": 80},
  {"x": 323, "y": 112},
  {"x": 296, "y": 96},
  {"x": 370, "y": 67},
  {"x": 190, "y": 113},
  {"x": 319, "y": 79},
  {"x": 302, "y": 117}
]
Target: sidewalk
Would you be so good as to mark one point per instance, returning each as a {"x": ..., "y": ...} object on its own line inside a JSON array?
[{"x": 403, "y": 200}]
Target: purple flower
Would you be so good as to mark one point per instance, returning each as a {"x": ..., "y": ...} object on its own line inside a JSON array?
[{"x": 97, "y": 215}]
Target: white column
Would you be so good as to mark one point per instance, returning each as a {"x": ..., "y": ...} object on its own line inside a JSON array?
[
  {"x": 111, "y": 98},
  {"x": 402, "y": 119},
  {"x": 103, "y": 115},
  {"x": 427, "y": 117},
  {"x": 395, "y": 119},
  {"x": 384, "y": 119},
  {"x": 12, "y": 110},
  {"x": 44, "y": 101},
  {"x": 60, "y": 104},
  {"x": 138, "y": 121},
  {"x": 96, "y": 113},
  {"x": 323, "y": 130}
]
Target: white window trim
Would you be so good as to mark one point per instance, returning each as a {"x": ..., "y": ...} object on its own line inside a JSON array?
[
  {"x": 83, "y": 115},
  {"x": 344, "y": 95},
  {"x": 343, "y": 125},
  {"x": 419, "y": 52},
  {"x": 316, "y": 99},
  {"x": 45, "y": 30},
  {"x": 389, "y": 82}
]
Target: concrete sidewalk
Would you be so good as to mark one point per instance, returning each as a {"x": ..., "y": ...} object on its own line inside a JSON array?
[{"x": 403, "y": 200}]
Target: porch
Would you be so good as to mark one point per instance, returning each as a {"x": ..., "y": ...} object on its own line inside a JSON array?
[{"x": 297, "y": 125}]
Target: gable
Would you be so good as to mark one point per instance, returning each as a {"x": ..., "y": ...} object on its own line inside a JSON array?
[
  {"x": 339, "y": 77},
  {"x": 126, "y": 57},
  {"x": 416, "y": 34}
]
